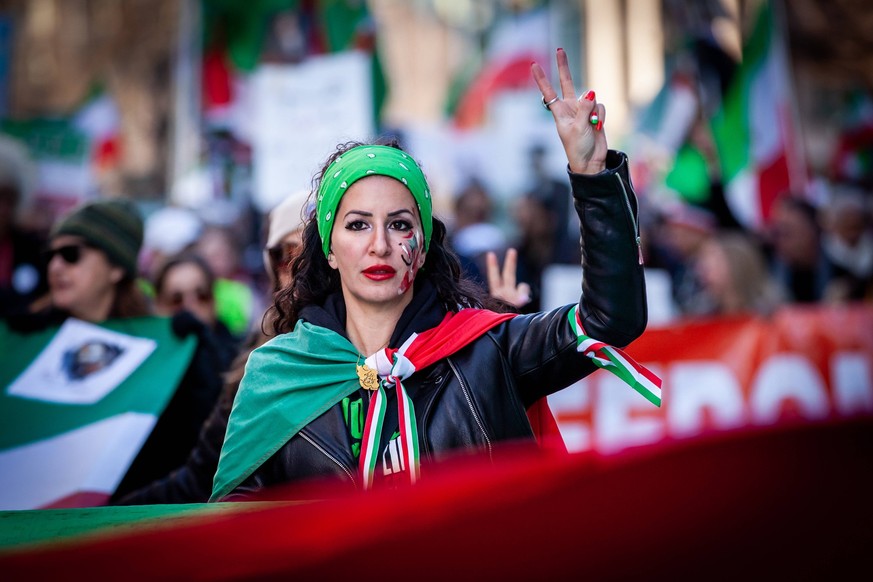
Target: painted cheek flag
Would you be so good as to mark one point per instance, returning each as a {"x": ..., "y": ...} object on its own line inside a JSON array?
[
  {"x": 754, "y": 132},
  {"x": 77, "y": 404}
]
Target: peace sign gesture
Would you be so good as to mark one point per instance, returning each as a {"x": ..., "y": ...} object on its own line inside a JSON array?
[
  {"x": 502, "y": 283},
  {"x": 579, "y": 121}
]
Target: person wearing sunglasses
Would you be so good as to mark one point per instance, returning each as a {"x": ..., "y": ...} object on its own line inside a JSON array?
[
  {"x": 92, "y": 266},
  {"x": 92, "y": 263},
  {"x": 184, "y": 286},
  {"x": 185, "y": 282}
]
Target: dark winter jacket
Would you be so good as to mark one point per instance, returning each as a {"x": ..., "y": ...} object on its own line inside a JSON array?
[{"x": 478, "y": 396}]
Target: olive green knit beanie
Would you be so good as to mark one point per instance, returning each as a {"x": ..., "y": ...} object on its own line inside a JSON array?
[{"x": 113, "y": 226}]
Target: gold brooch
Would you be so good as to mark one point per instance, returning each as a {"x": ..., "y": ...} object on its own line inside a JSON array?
[{"x": 367, "y": 377}]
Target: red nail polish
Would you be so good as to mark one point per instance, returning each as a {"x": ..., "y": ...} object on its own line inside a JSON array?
[
  {"x": 589, "y": 95},
  {"x": 560, "y": 49},
  {"x": 599, "y": 125}
]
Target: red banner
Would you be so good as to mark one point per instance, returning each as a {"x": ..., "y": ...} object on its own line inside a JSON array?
[
  {"x": 800, "y": 365},
  {"x": 764, "y": 493}
]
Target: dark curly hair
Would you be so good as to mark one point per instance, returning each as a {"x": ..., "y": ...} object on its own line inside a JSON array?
[{"x": 313, "y": 279}]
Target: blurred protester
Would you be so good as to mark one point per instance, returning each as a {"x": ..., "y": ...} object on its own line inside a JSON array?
[
  {"x": 686, "y": 229},
  {"x": 474, "y": 234},
  {"x": 169, "y": 231},
  {"x": 502, "y": 282},
  {"x": 799, "y": 262},
  {"x": 733, "y": 272},
  {"x": 192, "y": 482},
  {"x": 285, "y": 237},
  {"x": 22, "y": 275},
  {"x": 235, "y": 301},
  {"x": 185, "y": 283},
  {"x": 848, "y": 244},
  {"x": 92, "y": 269},
  {"x": 536, "y": 227},
  {"x": 555, "y": 196},
  {"x": 656, "y": 251}
]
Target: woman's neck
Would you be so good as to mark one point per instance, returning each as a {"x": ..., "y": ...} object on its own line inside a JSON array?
[{"x": 370, "y": 327}]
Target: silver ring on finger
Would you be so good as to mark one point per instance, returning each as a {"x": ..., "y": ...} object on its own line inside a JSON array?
[{"x": 548, "y": 104}]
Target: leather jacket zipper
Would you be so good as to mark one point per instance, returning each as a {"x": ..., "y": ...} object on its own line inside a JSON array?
[
  {"x": 329, "y": 456},
  {"x": 469, "y": 399},
  {"x": 633, "y": 219}
]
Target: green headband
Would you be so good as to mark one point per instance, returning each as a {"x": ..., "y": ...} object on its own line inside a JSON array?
[{"x": 363, "y": 161}]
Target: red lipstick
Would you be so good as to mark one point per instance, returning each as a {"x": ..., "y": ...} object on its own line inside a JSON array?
[{"x": 380, "y": 272}]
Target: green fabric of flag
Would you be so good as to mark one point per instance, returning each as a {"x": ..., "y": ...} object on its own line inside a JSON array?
[
  {"x": 754, "y": 132},
  {"x": 689, "y": 175},
  {"x": 26, "y": 528},
  {"x": 324, "y": 373},
  {"x": 731, "y": 125}
]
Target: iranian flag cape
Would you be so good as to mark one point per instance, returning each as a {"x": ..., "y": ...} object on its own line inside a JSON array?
[
  {"x": 78, "y": 403},
  {"x": 318, "y": 368}
]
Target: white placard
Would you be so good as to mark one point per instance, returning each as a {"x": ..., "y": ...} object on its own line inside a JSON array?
[
  {"x": 301, "y": 112},
  {"x": 82, "y": 364},
  {"x": 562, "y": 285}
]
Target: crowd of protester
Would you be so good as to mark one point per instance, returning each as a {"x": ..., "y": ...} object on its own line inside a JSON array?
[{"x": 806, "y": 255}]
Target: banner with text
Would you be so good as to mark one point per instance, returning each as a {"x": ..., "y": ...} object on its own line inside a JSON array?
[{"x": 800, "y": 365}]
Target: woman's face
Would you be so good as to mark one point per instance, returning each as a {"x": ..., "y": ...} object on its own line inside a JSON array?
[
  {"x": 377, "y": 242},
  {"x": 187, "y": 287},
  {"x": 713, "y": 268},
  {"x": 795, "y": 239},
  {"x": 81, "y": 279}
]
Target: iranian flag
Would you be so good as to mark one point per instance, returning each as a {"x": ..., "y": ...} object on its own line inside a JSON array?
[
  {"x": 514, "y": 42},
  {"x": 760, "y": 156},
  {"x": 78, "y": 402}
]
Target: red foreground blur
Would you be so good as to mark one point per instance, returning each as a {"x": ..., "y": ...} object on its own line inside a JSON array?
[{"x": 794, "y": 502}]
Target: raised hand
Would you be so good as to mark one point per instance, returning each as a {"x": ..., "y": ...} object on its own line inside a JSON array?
[
  {"x": 501, "y": 283},
  {"x": 581, "y": 133}
]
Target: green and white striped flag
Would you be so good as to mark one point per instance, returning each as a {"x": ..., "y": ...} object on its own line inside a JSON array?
[
  {"x": 754, "y": 131},
  {"x": 78, "y": 403}
]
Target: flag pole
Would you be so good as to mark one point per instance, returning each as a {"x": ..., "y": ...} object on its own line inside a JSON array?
[{"x": 797, "y": 168}]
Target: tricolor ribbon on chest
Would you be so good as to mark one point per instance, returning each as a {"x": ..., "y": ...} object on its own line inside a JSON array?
[{"x": 392, "y": 367}]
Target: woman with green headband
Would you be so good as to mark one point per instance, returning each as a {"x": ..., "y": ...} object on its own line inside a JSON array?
[{"x": 386, "y": 359}]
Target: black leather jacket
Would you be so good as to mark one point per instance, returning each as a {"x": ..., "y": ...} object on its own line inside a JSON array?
[{"x": 477, "y": 397}]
